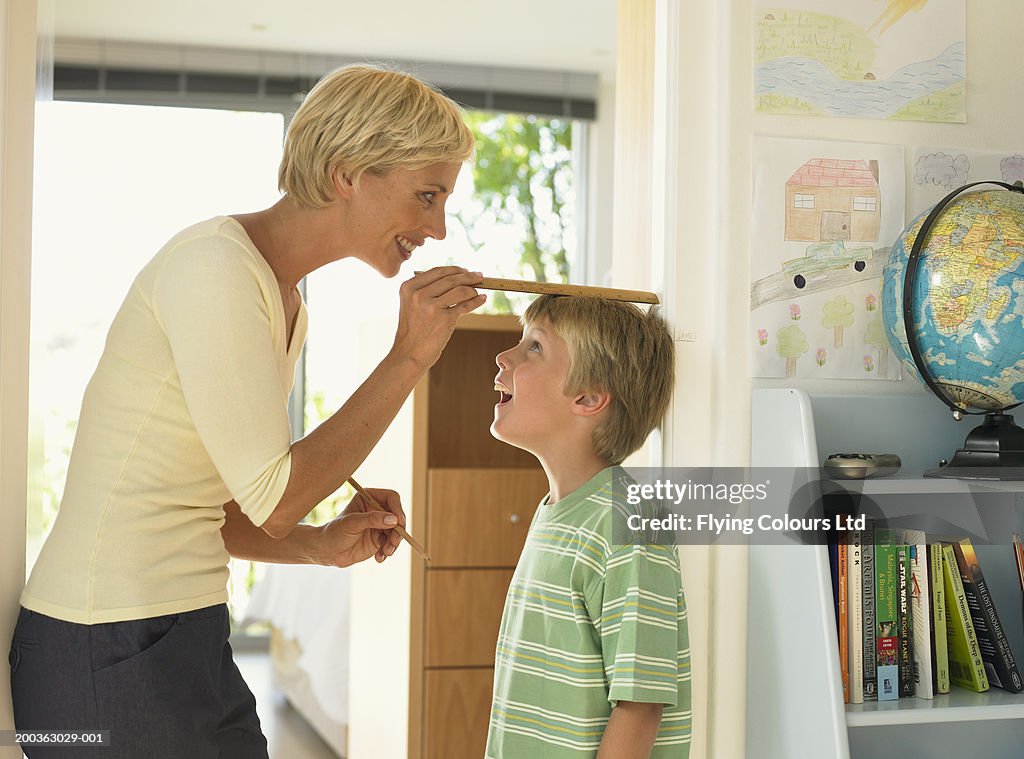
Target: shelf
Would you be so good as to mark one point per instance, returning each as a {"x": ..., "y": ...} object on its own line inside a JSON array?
[
  {"x": 959, "y": 705},
  {"x": 799, "y": 711},
  {"x": 913, "y": 483}
]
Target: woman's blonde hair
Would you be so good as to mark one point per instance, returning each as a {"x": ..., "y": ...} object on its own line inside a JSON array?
[
  {"x": 366, "y": 118},
  {"x": 617, "y": 348}
]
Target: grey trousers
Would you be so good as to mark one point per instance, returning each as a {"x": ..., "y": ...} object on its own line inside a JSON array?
[{"x": 165, "y": 687}]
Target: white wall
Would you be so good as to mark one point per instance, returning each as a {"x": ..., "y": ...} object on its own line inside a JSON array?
[
  {"x": 713, "y": 185},
  {"x": 689, "y": 207},
  {"x": 700, "y": 219},
  {"x": 995, "y": 107},
  {"x": 714, "y": 205},
  {"x": 17, "y": 99},
  {"x": 631, "y": 189}
]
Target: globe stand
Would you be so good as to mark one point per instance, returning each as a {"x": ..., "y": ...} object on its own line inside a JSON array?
[{"x": 994, "y": 450}]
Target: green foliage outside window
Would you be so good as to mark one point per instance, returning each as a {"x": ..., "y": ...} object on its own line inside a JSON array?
[{"x": 523, "y": 178}]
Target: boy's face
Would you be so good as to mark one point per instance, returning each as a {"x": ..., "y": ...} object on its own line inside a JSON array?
[{"x": 533, "y": 406}]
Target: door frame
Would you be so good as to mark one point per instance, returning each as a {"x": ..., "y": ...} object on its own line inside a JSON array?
[{"x": 17, "y": 98}]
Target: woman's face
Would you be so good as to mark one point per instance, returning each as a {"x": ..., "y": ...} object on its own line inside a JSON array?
[{"x": 393, "y": 214}]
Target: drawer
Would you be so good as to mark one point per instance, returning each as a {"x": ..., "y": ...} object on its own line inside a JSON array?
[
  {"x": 463, "y": 615},
  {"x": 480, "y": 517},
  {"x": 460, "y": 403},
  {"x": 456, "y": 712}
]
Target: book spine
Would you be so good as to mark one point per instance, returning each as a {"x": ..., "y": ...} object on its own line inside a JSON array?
[
  {"x": 887, "y": 642},
  {"x": 1000, "y": 663},
  {"x": 844, "y": 639},
  {"x": 833, "y": 567},
  {"x": 855, "y": 619},
  {"x": 940, "y": 659},
  {"x": 868, "y": 611},
  {"x": 906, "y": 621},
  {"x": 921, "y": 612},
  {"x": 966, "y": 667}
]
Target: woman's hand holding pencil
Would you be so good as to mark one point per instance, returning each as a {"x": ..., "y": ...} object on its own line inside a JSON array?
[
  {"x": 399, "y": 528},
  {"x": 364, "y": 529}
]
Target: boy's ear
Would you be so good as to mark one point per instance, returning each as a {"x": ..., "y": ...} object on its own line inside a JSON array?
[
  {"x": 343, "y": 185},
  {"x": 591, "y": 403}
]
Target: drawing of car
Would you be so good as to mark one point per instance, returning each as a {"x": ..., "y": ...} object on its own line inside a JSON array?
[{"x": 825, "y": 255}]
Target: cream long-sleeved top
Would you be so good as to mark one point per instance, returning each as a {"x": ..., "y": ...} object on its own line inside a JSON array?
[{"x": 187, "y": 410}]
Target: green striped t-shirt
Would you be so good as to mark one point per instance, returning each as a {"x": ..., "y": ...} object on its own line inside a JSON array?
[{"x": 587, "y": 624}]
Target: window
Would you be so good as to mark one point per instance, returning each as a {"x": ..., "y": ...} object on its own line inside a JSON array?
[
  {"x": 865, "y": 203},
  {"x": 802, "y": 200},
  {"x": 108, "y": 193},
  {"x": 519, "y": 224}
]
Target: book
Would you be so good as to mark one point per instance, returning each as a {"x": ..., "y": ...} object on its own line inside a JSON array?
[
  {"x": 1018, "y": 558},
  {"x": 844, "y": 639},
  {"x": 921, "y": 613},
  {"x": 1000, "y": 663},
  {"x": 937, "y": 591},
  {"x": 966, "y": 669},
  {"x": 905, "y": 619},
  {"x": 868, "y": 610},
  {"x": 833, "y": 566},
  {"x": 855, "y": 618},
  {"x": 887, "y": 639}
]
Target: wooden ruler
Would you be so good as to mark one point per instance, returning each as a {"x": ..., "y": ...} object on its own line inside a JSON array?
[{"x": 555, "y": 288}]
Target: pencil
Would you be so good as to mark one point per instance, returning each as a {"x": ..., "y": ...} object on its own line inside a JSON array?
[{"x": 398, "y": 528}]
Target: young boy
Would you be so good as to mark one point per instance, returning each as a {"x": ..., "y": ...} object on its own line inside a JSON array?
[{"x": 593, "y": 653}]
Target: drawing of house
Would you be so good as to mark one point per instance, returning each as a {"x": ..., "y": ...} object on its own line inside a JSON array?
[{"x": 832, "y": 199}]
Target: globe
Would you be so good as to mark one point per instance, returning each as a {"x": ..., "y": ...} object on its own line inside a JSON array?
[{"x": 966, "y": 307}]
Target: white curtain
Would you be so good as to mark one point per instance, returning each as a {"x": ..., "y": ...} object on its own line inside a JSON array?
[{"x": 45, "y": 25}]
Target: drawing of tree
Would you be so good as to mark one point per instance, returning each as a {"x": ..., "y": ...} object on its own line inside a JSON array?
[
  {"x": 838, "y": 314},
  {"x": 875, "y": 335},
  {"x": 791, "y": 343}
]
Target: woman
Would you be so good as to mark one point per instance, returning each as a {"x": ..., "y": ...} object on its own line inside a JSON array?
[{"x": 183, "y": 455}]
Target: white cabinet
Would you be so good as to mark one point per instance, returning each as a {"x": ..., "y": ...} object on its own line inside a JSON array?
[{"x": 795, "y": 704}]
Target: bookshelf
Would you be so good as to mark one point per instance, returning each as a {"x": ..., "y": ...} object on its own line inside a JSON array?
[
  {"x": 958, "y": 705},
  {"x": 795, "y": 705}
]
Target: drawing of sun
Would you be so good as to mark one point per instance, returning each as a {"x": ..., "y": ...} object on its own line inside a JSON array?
[{"x": 894, "y": 11}]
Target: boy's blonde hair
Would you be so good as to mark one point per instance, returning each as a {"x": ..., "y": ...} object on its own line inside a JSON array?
[
  {"x": 617, "y": 348},
  {"x": 365, "y": 118}
]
